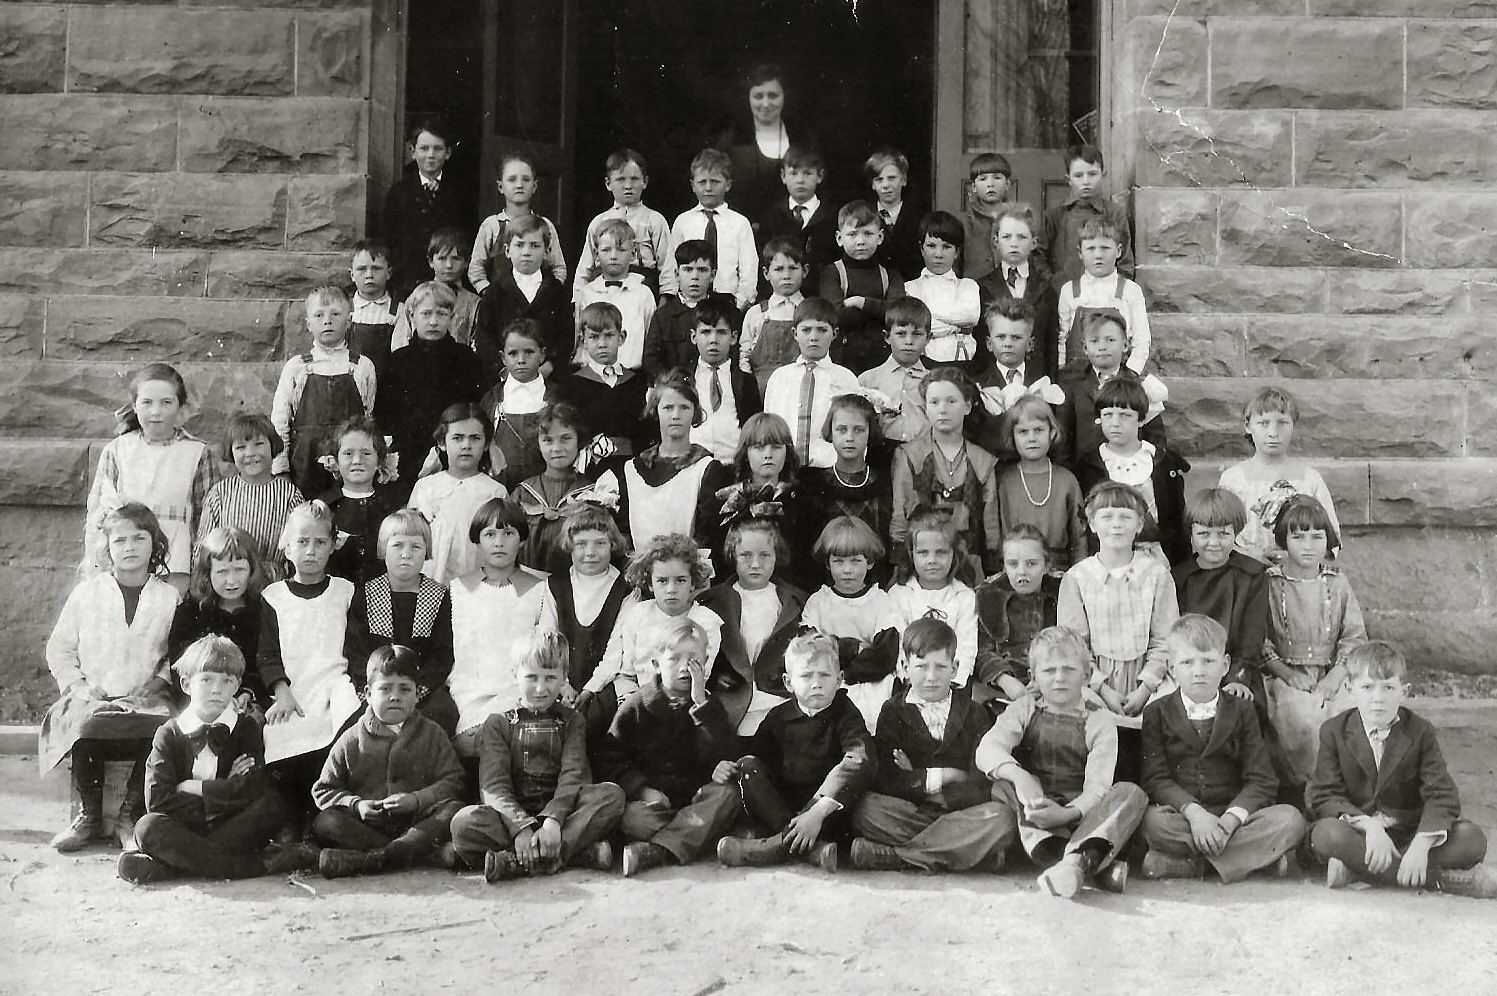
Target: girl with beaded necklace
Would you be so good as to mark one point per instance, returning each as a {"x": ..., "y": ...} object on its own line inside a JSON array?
[{"x": 1037, "y": 491}]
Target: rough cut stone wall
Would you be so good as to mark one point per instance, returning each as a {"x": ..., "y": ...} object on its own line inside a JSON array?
[
  {"x": 1316, "y": 201},
  {"x": 173, "y": 176}
]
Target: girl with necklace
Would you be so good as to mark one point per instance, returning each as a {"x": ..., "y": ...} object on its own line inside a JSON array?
[
  {"x": 1037, "y": 491},
  {"x": 852, "y": 485}
]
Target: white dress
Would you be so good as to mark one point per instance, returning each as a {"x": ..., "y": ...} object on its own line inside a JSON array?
[
  {"x": 448, "y": 503},
  {"x": 955, "y": 604},
  {"x": 669, "y": 508},
  {"x": 860, "y": 617},
  {"x": 311, "y": 632},
  {"x": 488, "y": 621},
  {"x": 1255, "y": 487}
]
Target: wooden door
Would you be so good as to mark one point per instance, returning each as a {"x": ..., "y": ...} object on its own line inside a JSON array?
[{"x": 530, "y": 98}]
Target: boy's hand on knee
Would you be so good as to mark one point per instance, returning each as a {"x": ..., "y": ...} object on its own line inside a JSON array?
[
  {"x": 1413, "y": 870},
  {"x": 725, "y": 772},
  {"x": 400, "y": 804},
  {"x": 1027, "y": 787},
  {"x": 1238, "y": 689},
  {"x": 1380, "y": 850},
  {"x": 548, "y": 839},
  {"x": 526, "y": 849},
  {"x": 1049, "y": 814},
  {"x": 805, "y": 828},
  {"x": 1206, "y": 831},
  {"x": 366, "y": 808}
]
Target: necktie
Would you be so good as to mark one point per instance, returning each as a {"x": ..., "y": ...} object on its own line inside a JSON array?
[
  {"x": 800, "y": 215},
  {"x": 1013, "y": 376},
  {"x": 715, "y": 389},
  {"x": 613, "y": 283},
  {"x": 1378, "y": 741},
  {"x": 611, "y": 375},
  {"x": 215, "y": 737},
  {"x": 884, "y": 214},
  {"x": 711, "y": 233},
  {"x": 803, "y": 414},
  {"x": 1013, "y": 277}
]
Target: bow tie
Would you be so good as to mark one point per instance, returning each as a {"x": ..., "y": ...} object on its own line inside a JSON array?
[
  {"x": 613, "y": 283},
  {"x": 215, "y": 737}
]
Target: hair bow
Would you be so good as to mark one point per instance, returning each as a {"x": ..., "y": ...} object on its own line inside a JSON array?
[
  {"x": 599, "y": 449},
  {"x": 704, "y": 561},
  {"x": 998, "y": 400},
  {"x": 389, "y": 468},
  {"x": 747, "y": 501},
  {"x": 881, "y": 402},
  {"x": 1271, "y": 505},
  {"x": 604, "y": 492}
]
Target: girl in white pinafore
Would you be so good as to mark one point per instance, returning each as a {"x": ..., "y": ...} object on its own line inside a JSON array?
[
  {"x": 672, "y": 487},
  {"x": 302, "y": 659}
]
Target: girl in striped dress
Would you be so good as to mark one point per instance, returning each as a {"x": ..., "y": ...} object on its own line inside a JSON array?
[{"x": 257, "y": 501}]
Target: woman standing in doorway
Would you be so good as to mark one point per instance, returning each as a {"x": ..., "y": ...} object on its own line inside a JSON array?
[{"x": 757, "y": 148}]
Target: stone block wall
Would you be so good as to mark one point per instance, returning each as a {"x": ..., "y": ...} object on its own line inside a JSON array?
[
  {"x": 1315, "y": 187},
  {"x": 175, "y": 176}
]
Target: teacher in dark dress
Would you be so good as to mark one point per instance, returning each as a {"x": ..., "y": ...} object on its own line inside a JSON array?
[{"x": 758, "y": 146}]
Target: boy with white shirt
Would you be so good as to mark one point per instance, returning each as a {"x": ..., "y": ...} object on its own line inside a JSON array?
[
  {"x": 613, "y": 246},
  {"x": 954, "y": 302},
  {"x": 211, "y": 807},
  {"x": 729, "y": 396},
  {"x": 728, "y": 231},
  {"x": 626, "y": 178},
  {"x": 802, "y": 392},
  {"x": 1102, "y": 286}
]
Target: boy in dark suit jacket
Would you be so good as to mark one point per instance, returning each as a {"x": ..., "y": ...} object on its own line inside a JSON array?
[
  {"x": 801, "y": 216},
  {"x": 1023, "y": 276},
  {"x": 425, "y": 198},
  {"x": 662, "y": 748},
  {"x": 1385, "y": 805},
  {"x": 1207, "y": 772},
  {"x": 1105, "y": 341},
  {"x": 812, "y": 759},
  {"x": 669, "y": 342},
  {"x": 391, "y": 784},
  {"x": 210, "y": 805},
  {"x": 931, "y": 808},
  {"x": 524, "y": 289},
  {"x": 1006, "y": 355},
  {"x": 729, "y": 394},
  {"x": 610, "y": 396}
]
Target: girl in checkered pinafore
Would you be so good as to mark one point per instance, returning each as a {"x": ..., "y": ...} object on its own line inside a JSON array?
[{"x": 156, "y": 462}]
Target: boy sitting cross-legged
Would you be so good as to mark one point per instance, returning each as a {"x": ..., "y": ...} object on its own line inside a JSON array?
[
  {"x": 665, "y": 742},
  {"x": 1052, "y": 761},
  {"x": 540, "y": 810},
  {"x": 1385, "y": 805},
  {"x": 210, "y": 805},
  {"x": 812, "y": 759},
  {"x": 391, "y": 784},
  {"x": 933, "y": 808},
  {"x": 1207, "y": 771}
]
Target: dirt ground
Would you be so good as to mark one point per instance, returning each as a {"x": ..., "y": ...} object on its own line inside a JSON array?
[{"x": 68, "y": 925}]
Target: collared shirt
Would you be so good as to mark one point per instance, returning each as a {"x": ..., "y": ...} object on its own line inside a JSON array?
[
  {"x": 955, "y": 306},
  {"x": 1010, "y": 375},
  {"x": 902, "y": 385},
  {"x": 205, "y": 764},
  {"x": 1124, "y": 613},
  {"x": 720, "y": 430},
  {"x": 737, "y": 255},
  {"x": 635, "y": 303},
  {"x": 809, "y": 208},
  {"x": 380, "y": 311},
  {"x": 529, "y": 284},
  {"x": 1134, "y": 469},
  {"x": 608, "y": 373},
  {"x": 756, "y": 622},
  {"x": 782, "y": 398},
  {"x": 524, "y": 397},
  {"x": 1101, "y": 292},
  {"x": 934, "y": 714},
  {"x": 652, "y": 245},
  {"x": 488, "y": 251},
  {"x": 890, "y": 213},
  {"x": 1020, "y": 283},
  {"x": 779, "y": 309},
  {"x": 430, "y": 182},
  {"x": 1377, "y": 738},
  {"x": 1200, "y": 712}
]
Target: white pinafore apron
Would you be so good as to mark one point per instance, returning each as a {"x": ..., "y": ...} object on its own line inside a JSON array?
[
  {"x": 312, "y": 651},
  {"x": 669, "y": 508}
]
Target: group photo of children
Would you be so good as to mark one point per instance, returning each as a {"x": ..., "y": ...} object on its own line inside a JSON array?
[{"x": 787, "y": 530}]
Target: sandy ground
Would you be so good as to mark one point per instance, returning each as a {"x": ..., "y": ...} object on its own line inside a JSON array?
[{"x": 68, "y": 925}]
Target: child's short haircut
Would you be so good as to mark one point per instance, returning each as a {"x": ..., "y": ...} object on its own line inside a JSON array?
[
  {"x": 1100, "y": 228},
  {"x": 1089, "y": 154},
  {"x": 765, "y": 429},
  {"x": 712, "y": 161},
  {"x": 810, "y": 646},
  {"x": 327, "y": 294},
  {"x": 713, "y": 312},
  {"x": 1013, "y": 309},
  {"x": 374, "y": 248},
  {"x": 1378, "y": 660},
  {"x": 848, "y": 536},
  {"x": 951, "y": 375},
  {"x": 429, "y": 123},
  {"x": 738, "y": 530},
  {"x": 1198, "y": 632},
  {"x": 393, "y": 661},
  {"x": 1215, "y": 508},
  {"x": 527, "y": 225},
  {"x": 246, "y": 427},
  {"x": 936, "y": 521},
  {"x": 883, "y": 158},
  {"x": 907, "y": 311},
  {"x": 928, "y": 635},
  {"x": 619, "y": 158},
  {"x": 1017, "y": 211},
  {"x": 514, "y": 156},
  {"x": 617, "y": 228},
  {"x": 1025, "y": 532},
  {"x": 312, "y": 514},
  {"x": 696, "y": 251},
  {"x": 440, "y": 295},
  {"x": 591, "y": 518},
  {"x": 942, "y": 225},
  {"x": 856, "y": 214},
  {"x": 1123, "y": 392},
  {"x": 802, "y": 157},
  {"x": 527, "y": 328},
  {"x": 561, "y": 413},
  {"x": 600, "y": 316},
  {"x": 403, "y": 522},
  {"x": 1115, "y": 494},
  {"x": 990, "y": 162},
  {"x": 1271, "y": 401},
  {"x": 660, "y": 550},
  {"x": 1059, "y": 641},
  {"x": 224, "y": 543},
  {"x": 499, "y": 513},
  {"x": 212, "y": 654},
  {"x": 783, "y": 245},
  {"x": 678, "y": 632},
  {"x": 864, "y": 407},
  {"x": 1302, "y": 513},
  {"x": 1094, "y": 319},
  {"x": 1030, "y": 406},
  {"x": 546, "y": 649},
  {"x": 448, "y": 239},
  {"x": 363, "y": 424},
  {"x": 683, "y": 384},
  {"x": 815, "y": 309}
]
